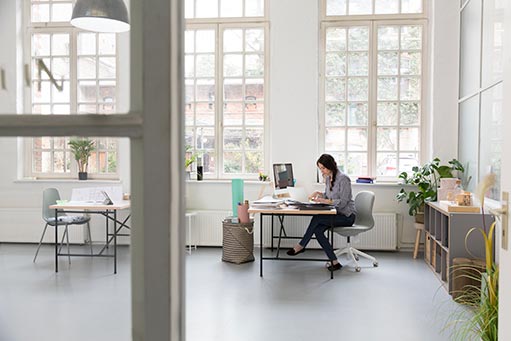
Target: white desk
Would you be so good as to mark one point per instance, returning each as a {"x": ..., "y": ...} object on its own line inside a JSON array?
[{"x": 108, "y": 211}]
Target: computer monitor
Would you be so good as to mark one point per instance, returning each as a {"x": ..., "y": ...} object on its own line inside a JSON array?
[{"x": 283, "y": 175}]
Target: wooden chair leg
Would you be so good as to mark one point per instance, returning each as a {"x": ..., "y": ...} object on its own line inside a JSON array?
[{"x": 417, "y": 241}]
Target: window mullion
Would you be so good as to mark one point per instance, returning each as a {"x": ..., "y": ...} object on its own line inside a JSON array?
[
  {"x": 73, "y": 83},
  {"x": 243, "y": 104},
  {"x": 372, "y": 105},
  {"x": 219, "y": 81}
]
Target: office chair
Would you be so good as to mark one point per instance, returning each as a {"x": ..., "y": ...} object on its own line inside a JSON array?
[
  {"x": 364, "y": 222},
  {"x": 50, "y": 197}
]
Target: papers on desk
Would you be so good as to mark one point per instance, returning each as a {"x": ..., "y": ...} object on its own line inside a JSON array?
[
  {"x": 308, "y": 205},
  {"x": 95, "y": 194},
  {"x": 267, "y": 202}
]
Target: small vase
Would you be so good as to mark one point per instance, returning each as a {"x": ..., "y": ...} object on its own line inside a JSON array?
[{"x": 82, "y": 175}]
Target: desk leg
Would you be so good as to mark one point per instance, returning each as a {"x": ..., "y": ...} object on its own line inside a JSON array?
[
  {"x": 56, "y": 244},
  {"x": 281, "y": 221},
  {"x": 115, "y": 241},
  {"x": 271, "y": 233},
  {"x": 106, "y": 224},
  {"x": 331, "y": 233},
  {"x": 261, "y": 244}
]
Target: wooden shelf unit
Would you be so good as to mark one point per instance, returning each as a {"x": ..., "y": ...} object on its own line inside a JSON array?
[{"x": 445, "y": 234}]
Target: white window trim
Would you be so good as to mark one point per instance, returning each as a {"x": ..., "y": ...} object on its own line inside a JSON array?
[
  {"x": 219, "y": 25},
  {"x": 366, "y": 17},
  {"x": 373, "y": 21},
  {"x": 27, "y": 168},
  {"x": 221, "y": 20}
]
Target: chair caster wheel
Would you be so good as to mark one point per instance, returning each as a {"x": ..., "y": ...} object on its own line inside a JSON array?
[
  {"x": 357, "y": 269},
  {"x": 375, "y": 264}
]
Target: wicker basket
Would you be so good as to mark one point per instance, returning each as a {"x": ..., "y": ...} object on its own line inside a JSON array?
[{"x": 238, "y": 242}]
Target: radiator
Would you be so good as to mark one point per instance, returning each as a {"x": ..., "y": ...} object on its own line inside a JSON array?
[
  {"x": 207, "y": 227},
  {"x": 207, "y": 231}
]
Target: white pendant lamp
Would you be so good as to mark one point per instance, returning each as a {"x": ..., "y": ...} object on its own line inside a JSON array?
[{"x": 101, "y": 16}]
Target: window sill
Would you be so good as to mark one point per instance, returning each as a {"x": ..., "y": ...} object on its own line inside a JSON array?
[
  {"x": 226, "y": 181},
  {"x": 39, "y": 180},
  {"x": 376, "y": 184}
]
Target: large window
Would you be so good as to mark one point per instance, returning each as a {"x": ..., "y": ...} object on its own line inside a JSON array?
[
  {"x": 72, "y": 71},
  {"x": 372, "y": 85},
  {"x": 480, "y": 102},
  {"x": 225, "y": 77}
]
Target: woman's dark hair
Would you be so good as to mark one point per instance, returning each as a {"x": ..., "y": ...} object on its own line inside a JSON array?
[{"x": 329, "y": 163}]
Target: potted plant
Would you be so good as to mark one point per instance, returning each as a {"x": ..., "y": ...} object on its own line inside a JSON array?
[
  {"x": 426, "y": 180},
  {"x": 482, "y": 298},
  {"x": 190, "y": 158},
  {"x": 82, "y": 149}
]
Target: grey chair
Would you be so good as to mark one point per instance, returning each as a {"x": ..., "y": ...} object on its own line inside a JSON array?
[
  {"x": 364, "y": 202},
  {"x": 50, "y": 197}
]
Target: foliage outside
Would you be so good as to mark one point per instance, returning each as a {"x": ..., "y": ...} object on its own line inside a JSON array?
[
  {"x": 482, "y": 300},
  {"x": 426, "y": 179},
  {"x": 82, "y": 149}
]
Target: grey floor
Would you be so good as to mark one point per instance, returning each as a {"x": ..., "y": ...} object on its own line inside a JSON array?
[{"x": 399, "y": 300}]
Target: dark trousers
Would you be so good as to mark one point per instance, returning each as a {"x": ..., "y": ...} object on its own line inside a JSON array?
[{"x": 319, "y": 224}]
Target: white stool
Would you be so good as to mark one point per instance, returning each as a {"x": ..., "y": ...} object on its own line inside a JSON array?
[{"x": 189, "y": 238}]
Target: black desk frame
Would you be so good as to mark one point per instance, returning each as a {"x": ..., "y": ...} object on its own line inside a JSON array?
[
  {"x": 280, "y": 216},
  {"x": 109, "y": 215}
]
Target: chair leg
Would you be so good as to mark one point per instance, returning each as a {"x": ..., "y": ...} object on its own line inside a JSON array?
[
  {"x": 90, "y": 238},
  {"x": 365, "y": 255},
  {"x": 340, "y": 252},
  {"x": 40, "y": 242},
  {"x": 353, "y": 256}
]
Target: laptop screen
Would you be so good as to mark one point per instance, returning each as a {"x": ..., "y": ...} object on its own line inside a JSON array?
[{"x": 283, "y": 175}]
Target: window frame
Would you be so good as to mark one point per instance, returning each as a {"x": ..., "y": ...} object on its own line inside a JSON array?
[
  {"x": 373, "y": 22},
  {"x": 482, "y": 87},
  {"x": 219, "y": 25},
  {"x": 27, "y": 142}
]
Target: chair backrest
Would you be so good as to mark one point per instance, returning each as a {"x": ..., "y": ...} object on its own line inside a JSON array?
[
  {"x": 364, "y": 202},
  {"x": 50, "y": 197}
]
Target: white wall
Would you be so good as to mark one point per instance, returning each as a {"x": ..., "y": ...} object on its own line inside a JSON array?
[
  {"x": 294, "y": 86},
  {"x": 442, "y": 134}
]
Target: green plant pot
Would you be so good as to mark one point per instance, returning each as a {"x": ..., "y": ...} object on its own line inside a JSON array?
[{"x": 82, "y": 175}]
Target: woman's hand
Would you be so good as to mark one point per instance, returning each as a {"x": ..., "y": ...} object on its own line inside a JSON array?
[
  {"x": 324, "y": 201},
  {"x": 316, "y": 196}
]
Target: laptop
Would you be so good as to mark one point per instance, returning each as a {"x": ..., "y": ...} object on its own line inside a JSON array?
[{"x": 107, "y": 200}]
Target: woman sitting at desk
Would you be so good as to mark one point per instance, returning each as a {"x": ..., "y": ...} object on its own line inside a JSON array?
[{"x": 337, "y": 193}]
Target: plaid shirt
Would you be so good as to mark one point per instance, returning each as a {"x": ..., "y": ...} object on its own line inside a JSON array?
[{"x": 340, "y": 194}]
